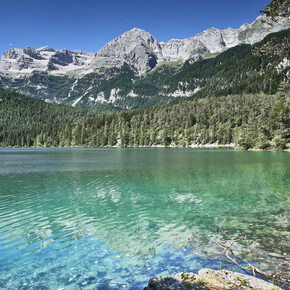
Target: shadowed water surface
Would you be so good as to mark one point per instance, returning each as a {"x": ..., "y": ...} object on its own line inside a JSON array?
[{"x": 112, "y": 218}]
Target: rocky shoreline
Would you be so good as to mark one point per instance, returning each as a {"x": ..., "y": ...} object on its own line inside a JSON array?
[{"x": 209, "y": 279}]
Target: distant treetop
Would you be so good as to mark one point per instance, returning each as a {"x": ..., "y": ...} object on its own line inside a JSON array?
[{"x": 277, "y": 8}]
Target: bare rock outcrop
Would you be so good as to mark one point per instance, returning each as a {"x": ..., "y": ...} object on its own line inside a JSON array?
[
  {"x": 138, "y": 48},
  {"x": 210, "y": 279}
]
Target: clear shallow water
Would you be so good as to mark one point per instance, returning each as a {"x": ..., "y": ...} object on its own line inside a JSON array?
[{"x": 113, "y": 218}]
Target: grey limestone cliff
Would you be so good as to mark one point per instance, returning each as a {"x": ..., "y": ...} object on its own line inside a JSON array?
[{"x": 138, "y": 48}]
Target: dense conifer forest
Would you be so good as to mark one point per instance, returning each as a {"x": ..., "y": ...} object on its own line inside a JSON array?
[{"x": 249, "y": 121}]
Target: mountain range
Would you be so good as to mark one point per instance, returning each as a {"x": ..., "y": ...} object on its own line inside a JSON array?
[{"x": 133, "y": 70}]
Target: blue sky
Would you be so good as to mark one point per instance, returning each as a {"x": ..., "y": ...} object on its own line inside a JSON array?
[{"x": 90, "y": 24}]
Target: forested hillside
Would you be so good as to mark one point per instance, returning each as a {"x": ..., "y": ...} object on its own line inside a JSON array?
[
  {"x": 253, "y": 120},
  {"x": 241, "y": 69},
  {"x": 244, "y": 69},
  {"x": 18, "y": 110}
]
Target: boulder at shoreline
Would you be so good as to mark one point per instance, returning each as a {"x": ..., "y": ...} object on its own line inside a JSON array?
[{"x": 210, "y": 279}]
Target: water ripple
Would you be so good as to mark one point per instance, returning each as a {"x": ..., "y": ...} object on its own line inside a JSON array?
[{"x": 101, "y": 218}]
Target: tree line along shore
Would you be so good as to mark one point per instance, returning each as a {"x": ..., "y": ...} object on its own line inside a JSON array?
[{"x": 256, "y": 121}]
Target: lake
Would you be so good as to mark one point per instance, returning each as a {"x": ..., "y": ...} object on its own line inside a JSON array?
[{"x": 114, "y": 218}]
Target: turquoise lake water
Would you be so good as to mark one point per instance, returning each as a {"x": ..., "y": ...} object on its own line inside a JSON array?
[{"x": 114, "y": 218}]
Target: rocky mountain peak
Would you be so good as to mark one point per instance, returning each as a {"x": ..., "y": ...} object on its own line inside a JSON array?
[
  {"x": 28, "y": 60},
  {"x": 136, "y": 30},
  {"x": 138, "y": 48},
  {"x": 141, "y": 34},
  {"x": 46, "y": 48},
  {"x": 129, "y": 40}
]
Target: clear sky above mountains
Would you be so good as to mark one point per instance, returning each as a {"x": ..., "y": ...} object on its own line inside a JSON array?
[{"x": 90, "y": 24}]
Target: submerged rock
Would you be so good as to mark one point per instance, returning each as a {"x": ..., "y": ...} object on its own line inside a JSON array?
[{"x": 209, "y": 279}]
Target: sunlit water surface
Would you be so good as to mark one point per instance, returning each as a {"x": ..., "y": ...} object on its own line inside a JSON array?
[{"x": 113, "y": 218}]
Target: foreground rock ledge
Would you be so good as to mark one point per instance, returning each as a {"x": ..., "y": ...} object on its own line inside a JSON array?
[{"x": 209, "y": 279}]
